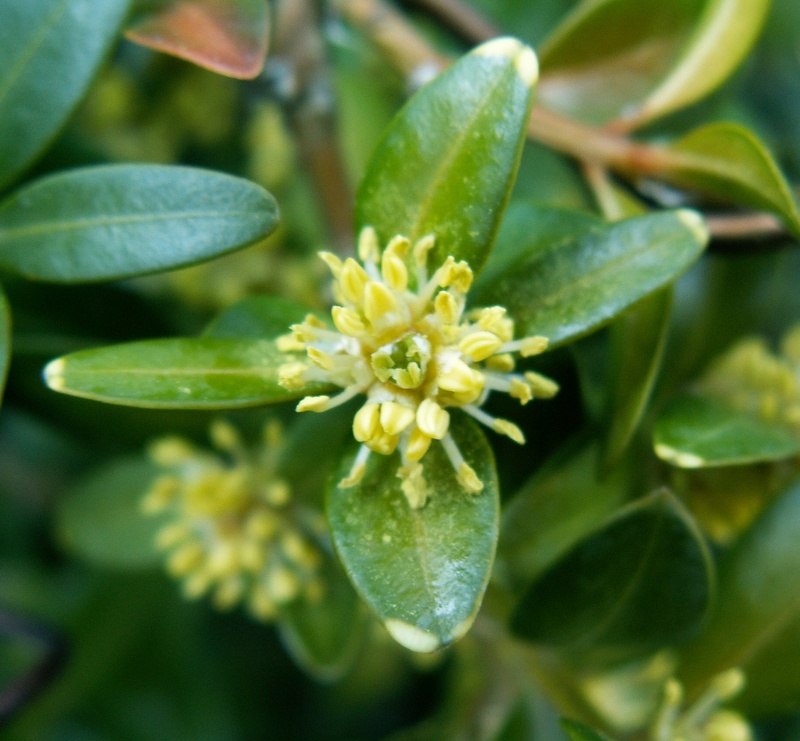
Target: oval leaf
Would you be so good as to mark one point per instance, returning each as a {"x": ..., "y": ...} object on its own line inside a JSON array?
[
  {"x": 719, "y": 42},
  {"x": 49, "y": 53},
  {"x": 100, "y": 517},
  {"x": 759, "y": 599},
  {"x": 5, "y": 340},
  {"x": 324, "y": 635},
  {"x": 637, "y": 339},
  {"x": 183, "y": 373},
  {"x": 730, "y": 163},
  {"x": 423, "y": 571},
  {"x": 447, "y": 163},
  {"x": 609, "y": 55},
  {"x": 696, "y": 431},
  {"x": 226, "y": 36},
  {"x": 110, "y": 222},
  {"x": 641, "y": 583},
  {"x": 564, "y": 290}
]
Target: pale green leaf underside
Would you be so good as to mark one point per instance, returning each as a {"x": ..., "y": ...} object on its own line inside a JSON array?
[
  {"x": 697, "y": 432},
  {"x": 423, "y": 571},
  {"x": 115, "y": 221},
  {"x": 184, "y": 373}
]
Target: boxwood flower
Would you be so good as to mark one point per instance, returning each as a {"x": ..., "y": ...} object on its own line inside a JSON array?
[{"x": 414, "y": 353}]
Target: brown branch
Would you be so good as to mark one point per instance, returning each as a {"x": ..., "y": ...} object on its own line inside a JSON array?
[{"x": 746, "y": 226}]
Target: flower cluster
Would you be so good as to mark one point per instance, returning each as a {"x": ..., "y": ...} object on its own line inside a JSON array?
[
  {"x": 413, "y": 353},
  {"x": 753, "y": 379},
  {"x": 232, "y": 528}
]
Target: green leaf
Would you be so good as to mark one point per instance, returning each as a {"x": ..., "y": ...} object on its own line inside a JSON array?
[
  {"x": 634, "y": 61},
  {"x": 257, "y": 316},
  {"x": 324, "y": 635},
  {"x": 567, "y": 288},
  {"x": 447, "y": 162},
  {"x": 637, "y": 338},
  {"x": 423, "y": 571},
  {"x": 226, "y": 36},
  {"x": 5, "y": 339},
  {"x": 100, "y": 518},
  {"x": 729, "y": 163},
  {"x": 49, "y": 52},
  {"x": 720, "y": 41},
  {"x": 642, "y": 582},
  {"x": 609, "y": 55},
  {"x": 696, "y": 431},
  {"x": 559, "y": 506},
  {"x": 759, "y": 599},
  {"x": 110, "y": 222},
  {"x": 183, "y": 373},
  {"x": 580, "y": 732}
]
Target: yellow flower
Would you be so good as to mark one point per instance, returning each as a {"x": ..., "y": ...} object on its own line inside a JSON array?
[
  {"x": 233, "y": 529},
  {"x": 414, "y": 354}
]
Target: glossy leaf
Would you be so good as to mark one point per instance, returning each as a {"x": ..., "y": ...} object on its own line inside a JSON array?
[
  {"x": 580, "y": 732},
  {"x": 729, "y": 163},
  {"x": 49, "y": 53},
  {"x": 100, "y": 517},
  {"x": 638, "y": 338},
  {"x": 5, "y": 339},
  {"x": 324, "y": 635},
  {"x": 642, "y": 582},
  {"x": 447, "y": 162},
  {"x": 759, "y": 599},
  {"x": 559, "y": 506},
  {"x": 566, "y": 289},
  {"x": 184, "y": 373},
  {"x": 609, "y": 55},
  {"x": 696, "y": 431},
  {"x": 225, "y": 36},
  {"x": 723, "y": 37},
  {"x": 110, "y": 222},
  {"x": 266, "y": 317},
  {"x": 423, "y": 571}
]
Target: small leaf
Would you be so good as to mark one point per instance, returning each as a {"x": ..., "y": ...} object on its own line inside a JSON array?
[
  {"x": 423, "y": 571},
  {"x": 579, "y": 732},
  {"x": 729, "y": 163},
  {"x": 559, "y": 506},
  {"x": 447, "y": 163},
  {"x": 759, "y": 599},
  {"x": 110, "y": 222},
  {"x": 184, "y": 373},
  {"x": 637, "y": 338},
  {"x": 49, "y": 52},
  {"x": 225, "y": 36},
  {"x": 696, "y": 431},
  {"x": 719, "y": 42},
  {"x": 100, "y": 517},
  {"x": 566, "y": 289},
  {"x": 266, "y": 317},
  {"x": 324, "y": 635},
  {"x": 5, "y": 339},
  {"x": 608, "y": 55},
  {"x": 642, "y": 582}
]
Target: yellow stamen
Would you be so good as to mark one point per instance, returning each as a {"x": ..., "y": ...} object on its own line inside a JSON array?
[
  {"x": 533, "y": 346},
  {"x": 394, "y": 271},
  {"x": 460, "y": 378},
  {"x": 348, "y": 322},
  {"x": 353, "y": 280},
  {"x": 378, "y": 301},
  {"x": 395, "y": 417},
  {"x": 313, "y": 404},
  {"x": 467, "y": 477},
  {"x": 418, "y": 444},
  {"x": 543, "y": 387},
  {"x": 365, "y": 422},
  {"x": 446, "y": 307},
  {"x": 368, "y": 249},
  {"x": 422, "y": 248},
  {"x": 332, "y": 261},
  {"x": 480, "y": 345},
  {"x": 322, "y": 359},
  {"x": 432, "y": 420},
  {"x": 290, "y": 376},
  {"x": 504, "y": 427},
  {"x": 520, "y": 390}
]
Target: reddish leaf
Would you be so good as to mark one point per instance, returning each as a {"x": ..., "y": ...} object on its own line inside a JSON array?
[{"x": 225, "y": 36}]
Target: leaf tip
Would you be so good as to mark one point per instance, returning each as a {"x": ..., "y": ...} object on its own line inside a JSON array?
[
  {"x": 677, "y": 457},
  {"x": 522, "y": 56},
  {"x": 412, "y": 637},
  {"x": 54, "y": 374},
  {"x": 695, "y": 223}
]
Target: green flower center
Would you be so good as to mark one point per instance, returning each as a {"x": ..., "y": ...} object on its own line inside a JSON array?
[{"x": 403, "y": 362}]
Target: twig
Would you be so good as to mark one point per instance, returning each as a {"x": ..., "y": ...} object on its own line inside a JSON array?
[
  {"x": 746, "y": 226},
  {"x": 14, "y": 696}
]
